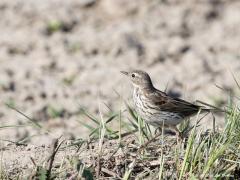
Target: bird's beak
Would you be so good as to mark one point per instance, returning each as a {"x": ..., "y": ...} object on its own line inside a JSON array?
[{"x": 124, "y": 72}]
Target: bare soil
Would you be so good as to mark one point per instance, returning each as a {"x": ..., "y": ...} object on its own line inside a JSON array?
[{"x": 57, "y": 57}]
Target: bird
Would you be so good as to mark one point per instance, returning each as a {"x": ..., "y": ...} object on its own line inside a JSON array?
[{"x": 158, "y": 108}]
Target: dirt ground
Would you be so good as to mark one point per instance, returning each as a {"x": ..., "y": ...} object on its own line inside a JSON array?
[{"x": 57, "y": 57}]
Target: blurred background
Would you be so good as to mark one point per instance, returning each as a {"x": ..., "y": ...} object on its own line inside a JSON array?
[{"x": 58, "y": 57}]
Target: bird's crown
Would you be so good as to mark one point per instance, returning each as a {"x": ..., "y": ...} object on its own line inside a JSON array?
[{"x": 139, "y": 78}]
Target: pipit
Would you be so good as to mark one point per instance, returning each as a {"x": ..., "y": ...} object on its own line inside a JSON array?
[{"x": 156, "y": 107}]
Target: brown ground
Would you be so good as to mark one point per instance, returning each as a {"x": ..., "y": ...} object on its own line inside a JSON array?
[{"x": 60, "y": 56}]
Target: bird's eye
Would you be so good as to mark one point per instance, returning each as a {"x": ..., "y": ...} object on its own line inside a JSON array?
[{"x": 133, "y": 75}]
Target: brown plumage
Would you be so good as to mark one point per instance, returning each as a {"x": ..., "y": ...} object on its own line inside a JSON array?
[{"x": 155, "y": 106}]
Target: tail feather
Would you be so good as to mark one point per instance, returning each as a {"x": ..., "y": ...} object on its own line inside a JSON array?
[{"x": 212, "y": 108}]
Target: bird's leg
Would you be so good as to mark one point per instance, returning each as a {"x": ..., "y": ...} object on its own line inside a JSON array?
[
  {"x": 178, "y": 133},
  {"x": 157, "y": 130},
  {"x": 149, "y": 141}
]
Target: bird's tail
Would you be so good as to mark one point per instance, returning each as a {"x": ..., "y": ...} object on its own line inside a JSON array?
[{"x": 212, "y": 109}]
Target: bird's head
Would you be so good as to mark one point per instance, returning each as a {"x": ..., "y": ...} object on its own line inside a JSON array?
[{"x": 139, "y": 78}]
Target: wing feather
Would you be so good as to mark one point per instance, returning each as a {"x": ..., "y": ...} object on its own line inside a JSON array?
[{"x": 164, "y": 102}]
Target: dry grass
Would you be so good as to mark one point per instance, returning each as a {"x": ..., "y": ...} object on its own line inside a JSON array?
[{"x": 116, "y": 154}]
